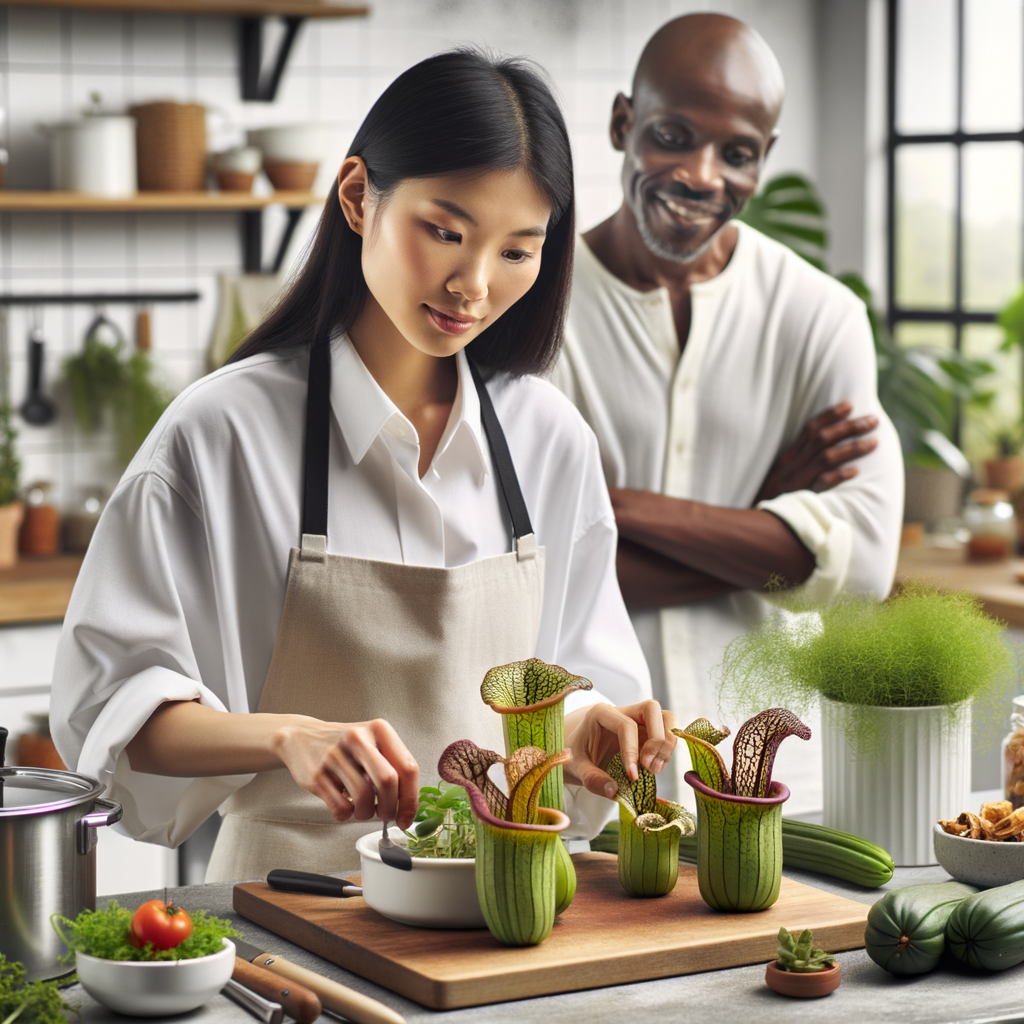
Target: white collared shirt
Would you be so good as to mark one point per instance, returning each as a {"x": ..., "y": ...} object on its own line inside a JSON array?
[
  {"x": 181, "y": 592},
  {"x": 772, "y": 342}
]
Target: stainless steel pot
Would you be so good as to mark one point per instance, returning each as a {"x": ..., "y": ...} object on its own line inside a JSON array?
[{"x": 48, "y": 822}]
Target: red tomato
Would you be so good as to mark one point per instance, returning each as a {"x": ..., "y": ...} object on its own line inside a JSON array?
[{"x": 162, "y": 924}]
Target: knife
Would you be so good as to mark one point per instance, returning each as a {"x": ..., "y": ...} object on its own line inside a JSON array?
[
  {"x": 296, "y": 1000},
  {"x": 313, "y": 884},
  {"x": 262, "y": 1009},
  {"x": 337, "y": 998}
]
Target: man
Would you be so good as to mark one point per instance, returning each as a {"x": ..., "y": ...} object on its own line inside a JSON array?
[{"x": 729, "y": 383}]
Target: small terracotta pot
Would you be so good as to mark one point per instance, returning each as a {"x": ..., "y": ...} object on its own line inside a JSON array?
[
  {"x": 39, "y": 530},
  {"x": 10, "y": 521},
  {"x": 286, "y": 175},
  {"x": 808, "y": 985},
  {"x": 1007, "y": 473}
]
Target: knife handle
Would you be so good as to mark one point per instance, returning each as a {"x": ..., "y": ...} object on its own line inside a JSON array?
[
  {"x": 313, "y": 884},
  {"x": 337, "y": 998},
  {"x": 296, "y": 1000}
]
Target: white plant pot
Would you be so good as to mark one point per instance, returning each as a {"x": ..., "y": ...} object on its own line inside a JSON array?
[{"x": 892, "y": 793}]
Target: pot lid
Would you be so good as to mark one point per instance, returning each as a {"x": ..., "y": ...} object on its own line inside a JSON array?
[{"x": 41, "y": 790}]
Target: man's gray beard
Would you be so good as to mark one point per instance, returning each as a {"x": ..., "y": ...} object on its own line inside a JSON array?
[{"x": 662, "y": 249}]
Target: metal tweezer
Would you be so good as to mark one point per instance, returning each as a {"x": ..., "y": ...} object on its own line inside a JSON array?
[{"x": 262, "y": 1009}]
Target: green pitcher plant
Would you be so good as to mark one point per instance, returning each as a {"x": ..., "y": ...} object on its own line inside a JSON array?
[
  {"x": 516, "y": 839},
  {"x": 739, "y": 819},
  {"x": 530, "y": 697},
  {"x": 649, "y": 831}
]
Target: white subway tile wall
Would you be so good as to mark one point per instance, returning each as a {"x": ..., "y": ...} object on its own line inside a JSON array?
[{"x": 51, "y": 61}]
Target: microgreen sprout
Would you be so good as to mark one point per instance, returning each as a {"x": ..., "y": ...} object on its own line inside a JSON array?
[{"x": 443, "y": 826}]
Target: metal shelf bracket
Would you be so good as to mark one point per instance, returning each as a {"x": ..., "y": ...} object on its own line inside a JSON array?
[
  {"x": 258, "y": 84},
  {"x": 252, "y": 240}
]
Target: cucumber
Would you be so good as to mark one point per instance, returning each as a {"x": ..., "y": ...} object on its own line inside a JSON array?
[
  {"x": 808, "y": 847},
  {"x": 828, "y": 851},
  {"x": 987, "y": 930},
  {"x": 906, "y": 930}
]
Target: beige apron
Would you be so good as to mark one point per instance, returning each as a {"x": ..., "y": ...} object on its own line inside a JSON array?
[{"x": 362, "y": 639}]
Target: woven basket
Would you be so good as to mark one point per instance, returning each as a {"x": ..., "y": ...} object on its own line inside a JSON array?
[{"x": 171, "y": 146}]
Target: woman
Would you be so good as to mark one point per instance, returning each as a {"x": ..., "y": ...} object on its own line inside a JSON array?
[{"x": 444, "y": 524}]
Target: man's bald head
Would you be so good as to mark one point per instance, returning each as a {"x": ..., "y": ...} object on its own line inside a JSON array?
[
  {"x": 696, "y": 131},
  {"x": 698, "y": 54}
]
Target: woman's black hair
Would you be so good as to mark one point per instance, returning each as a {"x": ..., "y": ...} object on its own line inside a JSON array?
[{"x": 456, "y": 111}]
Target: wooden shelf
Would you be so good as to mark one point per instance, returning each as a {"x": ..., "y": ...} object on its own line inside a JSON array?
[
  {"x": 166, "y": 202},
  {"x": 37, "y": 589},
  {"x": 228, "y": 8}
]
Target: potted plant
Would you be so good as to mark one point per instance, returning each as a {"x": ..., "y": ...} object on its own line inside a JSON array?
[
  {"x": 895, "y": 681},
  {"x": 1005, "y": 472},
  {"x": 800, "y": 970},
  {"x": 11, "y": 510},
  {"x": 517, "y": 840},
  {"x": 739, "y": 817}
]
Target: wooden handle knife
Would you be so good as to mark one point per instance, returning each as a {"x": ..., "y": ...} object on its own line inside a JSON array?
[
  {"x": 335, "y": 997},
  {"x": 296, "y": 1000}
]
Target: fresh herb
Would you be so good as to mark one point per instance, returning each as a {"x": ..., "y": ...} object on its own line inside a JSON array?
[
  {"x": 10, "y": 465},
  {"x": 444, "y": 823},
  {"x": 37, "y": 1002},
  {"x": 800, "y": 956},
  {"x": 107, "y": 934}
]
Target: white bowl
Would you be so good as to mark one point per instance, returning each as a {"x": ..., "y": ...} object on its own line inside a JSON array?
[
  {"x": 155, "y": 988},
  {"x": 294, "y": 143},
  {"x": 979, "y": 862},
  {"x": 244, "y": 159},
  {"x": 439, "y": 892}
]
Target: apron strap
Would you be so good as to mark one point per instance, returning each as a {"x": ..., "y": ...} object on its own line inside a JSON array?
[
  {"x": 522, "y": 529},
  {"x": 318, "y": 441},
  {"x": 317, "y": 452}
]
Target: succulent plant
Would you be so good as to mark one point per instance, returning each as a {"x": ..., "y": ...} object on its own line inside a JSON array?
[{"x": 799, "y": 955}]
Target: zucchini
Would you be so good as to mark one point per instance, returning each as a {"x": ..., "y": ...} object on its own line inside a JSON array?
[
  {"x": 987, "y": 930},
  {"x": 906, "y": 930}
]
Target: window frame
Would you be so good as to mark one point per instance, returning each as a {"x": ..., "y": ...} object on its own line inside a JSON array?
[{"x": 956, "y": 315}]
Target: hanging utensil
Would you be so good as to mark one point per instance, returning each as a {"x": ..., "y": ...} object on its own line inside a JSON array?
[
  {"x": 392, "y": 854},
  {"x": 37, "y": 409}
]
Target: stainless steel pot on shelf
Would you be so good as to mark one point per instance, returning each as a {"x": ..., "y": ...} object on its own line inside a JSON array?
[{"x": 48, "y": 822}]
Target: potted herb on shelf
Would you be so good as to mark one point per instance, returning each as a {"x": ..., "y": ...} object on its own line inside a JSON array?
[
  {"x": 11, "y": 510},
  {"x": 800, "y": 970},
  {"x": 895, "y": 681},
  {"x": 1005, "y": 472}
]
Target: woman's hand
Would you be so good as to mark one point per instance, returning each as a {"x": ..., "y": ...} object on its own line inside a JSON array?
[
  {"x": 642, "y": 733},
  {"x": 358, "y": 769}
]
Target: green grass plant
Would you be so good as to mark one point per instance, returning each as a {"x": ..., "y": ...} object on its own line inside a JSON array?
[{"x": 922, "y": 647}]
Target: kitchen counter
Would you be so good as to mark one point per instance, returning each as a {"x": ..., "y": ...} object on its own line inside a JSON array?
[
  {"x": 867, "y": 994},
  {"x": 994, "y": 583}
]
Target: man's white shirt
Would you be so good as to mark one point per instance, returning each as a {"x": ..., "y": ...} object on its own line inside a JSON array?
[{"x": 772, "y": 342}]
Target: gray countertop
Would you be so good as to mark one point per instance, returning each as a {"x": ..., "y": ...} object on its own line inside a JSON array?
[{"x": 867, "y": 994}]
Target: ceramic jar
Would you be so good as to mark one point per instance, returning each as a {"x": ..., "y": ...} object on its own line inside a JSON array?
[{"x": 912, "y": 767}]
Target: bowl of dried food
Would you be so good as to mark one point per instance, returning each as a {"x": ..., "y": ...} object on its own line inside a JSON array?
[{"x": 984, "y": 849}]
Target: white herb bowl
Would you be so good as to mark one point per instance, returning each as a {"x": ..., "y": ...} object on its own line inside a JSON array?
[
  {"x": 155, "y": 988},
  {"x": 979, "y": 862},
  {"x": 439, "y": 892}
]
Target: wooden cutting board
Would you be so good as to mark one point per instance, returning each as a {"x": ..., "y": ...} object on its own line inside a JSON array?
[{"x": 604, "y": 938}]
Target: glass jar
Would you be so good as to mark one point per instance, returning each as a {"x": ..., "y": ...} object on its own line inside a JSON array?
[
  {"x": 1013, "y": 756},
  {"x": 989, "y": 516}
]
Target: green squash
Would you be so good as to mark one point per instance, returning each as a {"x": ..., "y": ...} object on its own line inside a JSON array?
[
  {"x": 987, "y": 930},
  {"x": 906, "y": 930}
]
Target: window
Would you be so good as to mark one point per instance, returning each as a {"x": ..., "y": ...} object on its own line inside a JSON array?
[{"x": 956, "y": 187}]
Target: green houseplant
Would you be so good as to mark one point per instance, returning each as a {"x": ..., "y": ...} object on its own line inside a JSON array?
[
  {"x": 895, "y": 681},
  {"x": 11, "y": 509},
  {"x": 800, "y": 970},
  {"x": 104, "y": 381}
]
